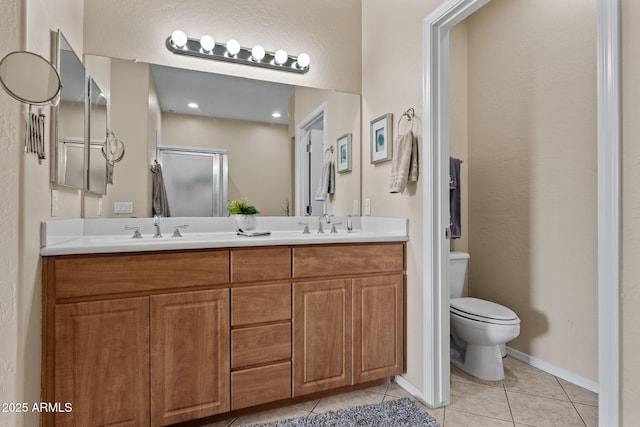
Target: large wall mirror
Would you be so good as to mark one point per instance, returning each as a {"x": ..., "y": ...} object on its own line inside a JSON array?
[
  {"x": 78, "y": 125},
  {"x": 196, "y": 110},
  {"x": 68, "y": 118}
]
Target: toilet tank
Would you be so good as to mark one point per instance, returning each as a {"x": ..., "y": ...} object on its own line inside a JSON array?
[{"x": 458, "y": 262}]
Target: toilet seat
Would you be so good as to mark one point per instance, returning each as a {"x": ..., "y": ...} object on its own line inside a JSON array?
[{"x": 483, "y": 311}]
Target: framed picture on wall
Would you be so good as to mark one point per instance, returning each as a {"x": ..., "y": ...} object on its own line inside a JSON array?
[
  {"x": 344, "y": 153},
  {"x": 381, "y": 138}
]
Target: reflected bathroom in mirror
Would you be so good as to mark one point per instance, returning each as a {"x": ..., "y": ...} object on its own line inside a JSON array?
[
  {"x": 230, "y": 114},
  {"x": 97, "y": 177},
  {"x": 68, "y": 118}
]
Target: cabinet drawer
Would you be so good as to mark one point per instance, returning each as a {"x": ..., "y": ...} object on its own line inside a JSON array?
[
  {"x": 110, "y": 274},
  {"x": 260, "y": 304},
  {"x": 253, "y": 265},
  {"x": 260, "y": 385},
  {"x": 261, "y": 344},
  {"x": 338, "y": 260}
]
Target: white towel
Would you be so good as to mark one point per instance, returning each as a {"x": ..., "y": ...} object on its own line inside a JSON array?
[
  {"x": 326, "y": 185},
  {"x": 404, "y": 166}
]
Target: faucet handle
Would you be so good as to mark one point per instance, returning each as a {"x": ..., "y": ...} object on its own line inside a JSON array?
[
  {"x": 306, "y": 227},
  {"x": 136, "y": 233},
  {"x": 176, "y": 232},
  {"x": 333, "y": 226}
]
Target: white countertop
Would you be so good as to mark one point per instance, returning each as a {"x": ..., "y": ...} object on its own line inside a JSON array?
[{"x": 108, "y": 235}]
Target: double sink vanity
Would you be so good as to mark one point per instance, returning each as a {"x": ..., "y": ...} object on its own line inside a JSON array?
[{"x": 158, "y": 331}]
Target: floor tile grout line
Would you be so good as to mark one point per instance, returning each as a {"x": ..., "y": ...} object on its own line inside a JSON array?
[
  {"x": 540, "y": 395},
  {"x": 504, "y": 388},
  {"x": 572, "y": 402}
]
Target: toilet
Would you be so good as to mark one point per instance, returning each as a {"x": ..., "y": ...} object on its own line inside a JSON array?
[{"x": 479, "y": 329}]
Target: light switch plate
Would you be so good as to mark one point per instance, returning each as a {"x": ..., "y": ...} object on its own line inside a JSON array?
[
  {"x": 367, "y": 206},
  {"x": 123, "y": 207}
]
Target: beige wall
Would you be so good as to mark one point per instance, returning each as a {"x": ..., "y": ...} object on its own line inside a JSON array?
[
  {"x": 11, "y": 124},
  {"x": 328, "y": 30},
  {"x": 131, "y": 86},
  {"x": 459, "y": 133},
  {"x": 630, "y": 290},
  {"x": 25, "y": 198},
  {"x": 391, "y": 83},
  {"x": 256, "y": 153},
  {"x": 343, "y": 116},
  {"x": 532, "y": 173}
]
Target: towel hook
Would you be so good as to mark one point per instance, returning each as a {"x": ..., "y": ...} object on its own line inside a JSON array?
[{"x": 329, "y": 150}]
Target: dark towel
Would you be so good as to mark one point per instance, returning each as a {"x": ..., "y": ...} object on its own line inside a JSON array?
[
  {"x": 455, "y": 224},
  {"x": 160, "y": 203}
]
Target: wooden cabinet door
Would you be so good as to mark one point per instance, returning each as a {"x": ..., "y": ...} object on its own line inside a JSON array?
[
  {"x": 322, "y": 335},
  {"x": 190, "y": 367},
  {"x": 102, "y": 362},
  {"x": 378, "y": 327}
]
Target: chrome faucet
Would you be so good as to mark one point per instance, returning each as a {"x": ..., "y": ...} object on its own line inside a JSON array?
[
  {"x": 320, "y": 218},
  {"x": 156, "y": 224}
]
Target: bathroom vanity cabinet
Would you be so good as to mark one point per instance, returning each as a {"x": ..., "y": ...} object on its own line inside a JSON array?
[
  {"x": 157, "y": 338},
  {"x": 348, "y": 315}
]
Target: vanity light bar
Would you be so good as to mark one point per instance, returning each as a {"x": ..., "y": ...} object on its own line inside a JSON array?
[{"x": 179, "y": 44}]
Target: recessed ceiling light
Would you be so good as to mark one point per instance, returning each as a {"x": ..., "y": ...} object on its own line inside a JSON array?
[
  {"x": 192, "y": 105},
  {"x": 276, "y": 115}
]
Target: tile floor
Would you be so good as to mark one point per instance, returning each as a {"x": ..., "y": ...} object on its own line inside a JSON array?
[{"x": 526, "y": 397}]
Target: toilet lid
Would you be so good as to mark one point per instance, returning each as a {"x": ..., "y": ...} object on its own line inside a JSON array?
[{"x": 482, "y": 310}]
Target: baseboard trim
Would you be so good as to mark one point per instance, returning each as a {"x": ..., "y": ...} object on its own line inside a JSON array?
[
  {"x": 554, "y": 370},
  {"x": 529, "y": 360},
  {"x": 405, "y": 384}
]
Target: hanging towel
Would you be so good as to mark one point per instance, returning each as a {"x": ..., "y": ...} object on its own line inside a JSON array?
[
  {"x": 160, "y": 203},
  {"x": 404, "y": 166},
  {"x": 331, "y": 188},
  {"x": 455, "y": 224},
  {"x": 326, "y": 185}
]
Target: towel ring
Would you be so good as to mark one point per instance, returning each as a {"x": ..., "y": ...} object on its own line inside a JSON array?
[{"x": 408, "y": 115}]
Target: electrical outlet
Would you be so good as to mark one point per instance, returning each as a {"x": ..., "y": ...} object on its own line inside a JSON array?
[
  {"x": 123, "y": 207},
  {"x": 55, "y": 195},
  {"x": 367, "y": 206},
  {"x": 356, "y": 207}
]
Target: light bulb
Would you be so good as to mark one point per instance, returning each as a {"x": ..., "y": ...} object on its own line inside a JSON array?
[
  {"x": 192, "y": 105},
  {"x": 257, "y": 53},
  {"x": 179, "y": 38},
  {"x": 207, "y": 43},
  {"x": 303, "y": 60},
  {"x": 281, "y": 57},
  {"x": 233, "y": 47},
  {"x": 276, "y": 115}
]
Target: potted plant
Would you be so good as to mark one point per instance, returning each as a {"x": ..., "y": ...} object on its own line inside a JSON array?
[{"x": 243, "y": 214}]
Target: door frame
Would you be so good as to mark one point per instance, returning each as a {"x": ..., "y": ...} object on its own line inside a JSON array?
[
  {"x": 436, "y": 33},
  {"x": 300, "y": 151}
]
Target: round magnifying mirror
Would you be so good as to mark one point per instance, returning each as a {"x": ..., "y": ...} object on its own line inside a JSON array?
[{"x": 29, "y": 78}]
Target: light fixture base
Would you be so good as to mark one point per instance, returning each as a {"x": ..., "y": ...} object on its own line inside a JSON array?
[{"x": 219, "y": 53}]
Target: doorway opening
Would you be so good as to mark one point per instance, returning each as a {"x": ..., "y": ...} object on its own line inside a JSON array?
[
  {"x": 310, "y": 145},
  {"x": 436, "y": 28}
]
